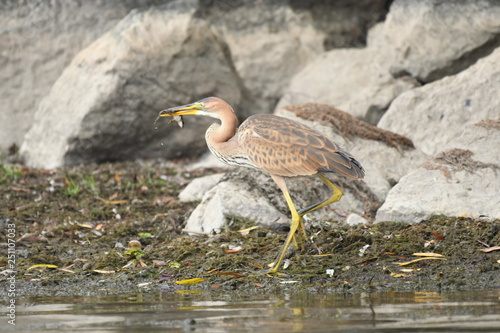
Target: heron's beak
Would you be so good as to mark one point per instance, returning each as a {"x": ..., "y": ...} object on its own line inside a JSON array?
[{"x": 183, "y": 110}]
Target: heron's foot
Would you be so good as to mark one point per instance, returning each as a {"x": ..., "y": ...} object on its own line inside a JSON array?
[{"x": 273, "y": 271}]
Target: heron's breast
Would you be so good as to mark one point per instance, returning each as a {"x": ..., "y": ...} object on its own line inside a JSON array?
[{"x": 236, "y": 159}]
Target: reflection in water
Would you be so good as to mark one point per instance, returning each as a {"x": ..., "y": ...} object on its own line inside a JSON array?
[{"x": 472, "y": 311}]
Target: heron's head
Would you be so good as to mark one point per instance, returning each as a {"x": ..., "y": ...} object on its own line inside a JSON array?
[{"x": 211, "y": 106}]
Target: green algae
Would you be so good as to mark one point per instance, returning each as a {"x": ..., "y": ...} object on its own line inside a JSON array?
[{"x": 86, "y": 234}]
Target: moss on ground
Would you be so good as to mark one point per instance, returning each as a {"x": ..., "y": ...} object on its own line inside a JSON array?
[{"x": 82, "y": 220}]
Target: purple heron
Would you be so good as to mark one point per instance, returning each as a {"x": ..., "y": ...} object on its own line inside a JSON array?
[{"x": 279, "y": 146}]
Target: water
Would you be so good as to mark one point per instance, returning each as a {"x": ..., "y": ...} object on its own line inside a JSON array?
[{"x": 471, "y": 311}]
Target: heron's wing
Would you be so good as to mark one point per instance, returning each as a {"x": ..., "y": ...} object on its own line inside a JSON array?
[{"x": 283, "y": 147}]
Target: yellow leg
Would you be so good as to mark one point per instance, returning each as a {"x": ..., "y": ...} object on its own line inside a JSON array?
[
  {"x": 301, "y": 237},
  {"x": 298, "y": 242},
  {"x": 337, "y": 194},
  {"x": 296, "y": 223},
  {"x": 291, "y": 234},
  {"x": 297, "y": 216}
]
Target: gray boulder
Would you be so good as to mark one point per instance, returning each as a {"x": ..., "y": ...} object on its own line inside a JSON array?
[
  {"x": 436, "y": 114},
  {"x": 355, "y": 80},
  {"x": 267, "y": 43},
  {"x": 461, "y": 118},
  {"x": 271, "y": 41},
  {"x": 38, "y": 39},
  {"x": 419, "y": 41},
  {"x": 98, "y": 111},
  {"x": 435, "y": 38},
  {"x": 462, "y": 180}
]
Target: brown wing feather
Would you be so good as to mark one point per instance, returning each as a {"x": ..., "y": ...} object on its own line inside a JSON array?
[{"x": 283, "y": 147}]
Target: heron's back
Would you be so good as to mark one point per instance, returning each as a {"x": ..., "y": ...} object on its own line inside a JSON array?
[{"x": 284, "y": 147}]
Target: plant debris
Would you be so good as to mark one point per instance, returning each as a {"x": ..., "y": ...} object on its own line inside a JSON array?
[{"x": 103, "y": 229}]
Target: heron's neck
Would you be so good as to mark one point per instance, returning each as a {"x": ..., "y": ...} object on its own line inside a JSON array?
[
  {"x": 220, "y": 133},
  {"x": 222, "y": 141},
  {"x": 218, "y": 138}
]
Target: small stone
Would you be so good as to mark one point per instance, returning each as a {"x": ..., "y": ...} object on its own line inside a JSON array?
[
  {"x": 134, "y": 244},
  {"x": 355, "y": 219}
]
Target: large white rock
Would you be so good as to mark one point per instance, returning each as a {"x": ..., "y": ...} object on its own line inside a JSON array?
[
  {"x": 436, "y": 114},
  {"x": 232, "y": 198},
  {"x": 197, "y": 188},
  {"x": 464, "y": 179},
  {"x": 456, "y": 120},
  {"x": 104, "y": 104}
]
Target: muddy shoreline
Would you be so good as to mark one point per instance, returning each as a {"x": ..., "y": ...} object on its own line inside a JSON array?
[{"x": 78, "y": 225}]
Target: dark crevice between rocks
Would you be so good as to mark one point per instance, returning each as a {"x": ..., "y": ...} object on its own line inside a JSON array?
[
  {"x": 365, "y": 14},
  {"x": 456, "y": 66},
  {"x": 465, "y": 61}
]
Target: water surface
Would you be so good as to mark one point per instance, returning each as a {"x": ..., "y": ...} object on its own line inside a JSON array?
[{"x": 209, "y": 311}]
